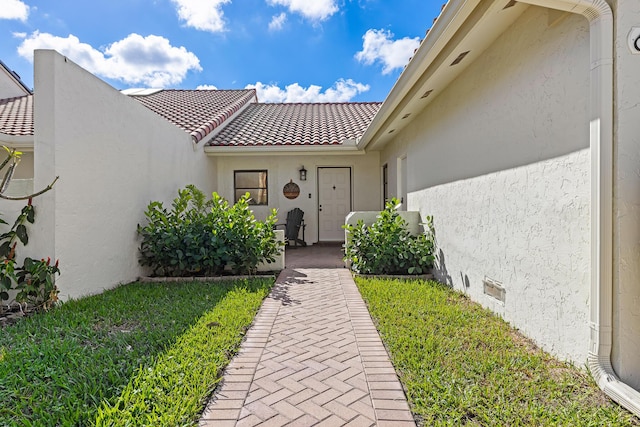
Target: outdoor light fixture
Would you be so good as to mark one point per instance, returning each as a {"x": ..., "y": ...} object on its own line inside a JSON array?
[{"x": 303, "y": 174}]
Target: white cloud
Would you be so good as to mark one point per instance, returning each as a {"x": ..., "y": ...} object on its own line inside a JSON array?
[
  {"x": 13, "y": 9},
  {"x": 378, "y": 46},
  {"x": 206, "y": 87},
  {"x": 316, "y": 10},
  {"x": 205, "y": 15},
  {"x": 277, "y": 22},
  {"x": 341, "y": 91},
  {"x": 149, "y": 60}
]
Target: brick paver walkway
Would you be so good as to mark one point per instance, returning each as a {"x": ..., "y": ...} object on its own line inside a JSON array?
[{"x": 312, "y": 357}]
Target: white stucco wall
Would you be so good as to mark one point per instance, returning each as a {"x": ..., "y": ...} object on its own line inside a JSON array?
[
  {"x": 24, "y": 170},
  {"x": 113, "y": 156},
  {"x": 501, "y": 161},
  {"x": 9, "y": 88},
  {"x": 365, "y": 175},
  {"x": 626, "y": 216}
]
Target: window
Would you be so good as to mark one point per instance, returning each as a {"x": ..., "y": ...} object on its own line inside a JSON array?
[{"x": 253, "y": 182}]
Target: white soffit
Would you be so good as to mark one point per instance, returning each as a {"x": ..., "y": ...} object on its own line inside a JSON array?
[{"x": 474, "y": 35}]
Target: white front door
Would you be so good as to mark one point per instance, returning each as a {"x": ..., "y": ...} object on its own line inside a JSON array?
[{"x": 334, "y": 202}]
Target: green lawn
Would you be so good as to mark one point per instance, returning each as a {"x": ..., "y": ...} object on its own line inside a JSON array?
[
  {"x": 462, "y": 365},
  {"x": 141, "y": 354}
]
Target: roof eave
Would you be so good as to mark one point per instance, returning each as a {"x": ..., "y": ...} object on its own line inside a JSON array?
[
  {"x": 283, "y": 150},
  {"x": 452, "y": 32},
  {"x": 19, "y": 142}
]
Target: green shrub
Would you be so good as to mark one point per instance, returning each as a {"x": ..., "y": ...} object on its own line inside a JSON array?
[
  {"x": 200, "y": 237},
  {"x": 34, "y": 280},
  {"x": 387, "y": 247}
]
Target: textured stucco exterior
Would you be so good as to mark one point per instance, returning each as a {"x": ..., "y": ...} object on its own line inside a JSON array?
[
  {"x": 365, "y": 182},
  {"x": 537, "y": 246},
  {"x": 113, "y": 156},
  {"x": 501, "y": 161}
]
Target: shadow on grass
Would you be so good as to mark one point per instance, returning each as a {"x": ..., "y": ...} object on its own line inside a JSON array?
[{"x": 57, "y": 368}]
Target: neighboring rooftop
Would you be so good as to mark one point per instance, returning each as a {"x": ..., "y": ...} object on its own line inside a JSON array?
[
  {"x": 297, "y": 124},
  {"x": 198, "y": 112},
  {"x": 16, "y": 116}
]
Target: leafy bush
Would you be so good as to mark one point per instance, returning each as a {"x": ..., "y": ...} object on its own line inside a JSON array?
[
  {"x": 200, "y": 237},
  {"x": 387, "y": 247},
  {"x": 35, "y": 279}
]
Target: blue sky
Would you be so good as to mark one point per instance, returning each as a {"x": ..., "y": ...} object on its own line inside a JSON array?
[{"x": 290, "y": 50}]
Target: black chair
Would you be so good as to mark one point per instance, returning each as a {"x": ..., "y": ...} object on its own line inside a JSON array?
[{"x": 295, "y": 221}]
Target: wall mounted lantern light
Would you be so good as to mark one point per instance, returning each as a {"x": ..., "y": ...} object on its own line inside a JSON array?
[{"x": 303, "y": 174}]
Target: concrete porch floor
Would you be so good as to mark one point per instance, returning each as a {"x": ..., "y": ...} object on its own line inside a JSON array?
[
  {"x": 324, "y": 255},
  {"x": 312, "y": 357}
]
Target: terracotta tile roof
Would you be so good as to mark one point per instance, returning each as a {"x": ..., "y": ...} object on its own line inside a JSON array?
[
  {"x": 16, "y": 116},
  {"x": 198, "y": 112},
  {"x": 297, "y": 124}
]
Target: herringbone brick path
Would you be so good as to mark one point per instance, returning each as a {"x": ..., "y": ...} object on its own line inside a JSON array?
[{"x": 312, "y": 357}]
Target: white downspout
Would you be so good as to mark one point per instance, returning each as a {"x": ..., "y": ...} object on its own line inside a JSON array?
[{"x": 600, "y": 18}]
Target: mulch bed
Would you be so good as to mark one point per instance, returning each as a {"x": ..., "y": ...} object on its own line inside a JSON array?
[
  {"x": 13, "y": 313},
  {"x": 145, "y": 279}
]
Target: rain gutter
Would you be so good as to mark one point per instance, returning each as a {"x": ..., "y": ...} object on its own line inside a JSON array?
[
  {"x": 345, "y": 147},
  {"x": 600, "y": 17}
]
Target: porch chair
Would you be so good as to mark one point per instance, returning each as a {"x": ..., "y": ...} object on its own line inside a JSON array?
[{"x": 295, "y": 221}]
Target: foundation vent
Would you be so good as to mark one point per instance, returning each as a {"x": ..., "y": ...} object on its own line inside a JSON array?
[{"x": 494, "y": 289}]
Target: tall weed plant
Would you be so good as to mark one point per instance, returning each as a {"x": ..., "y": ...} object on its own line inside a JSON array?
[
  {"x": 387, "y": 246},
  {"x": 200, "y": 237},
  {"x": 34, "y": 281}
]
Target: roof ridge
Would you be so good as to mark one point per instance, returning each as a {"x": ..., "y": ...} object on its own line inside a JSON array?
[
  {"x": 320, "y": 103},
  {"x": 208, "y": 127},
  {"x": 202, "y": 90}
]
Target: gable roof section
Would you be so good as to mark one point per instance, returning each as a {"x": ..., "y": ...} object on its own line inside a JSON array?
[
  {"x": 198, "y": 112},
  {"x": 313, "y": 124},
  {"x": 16, "y": 116}
]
